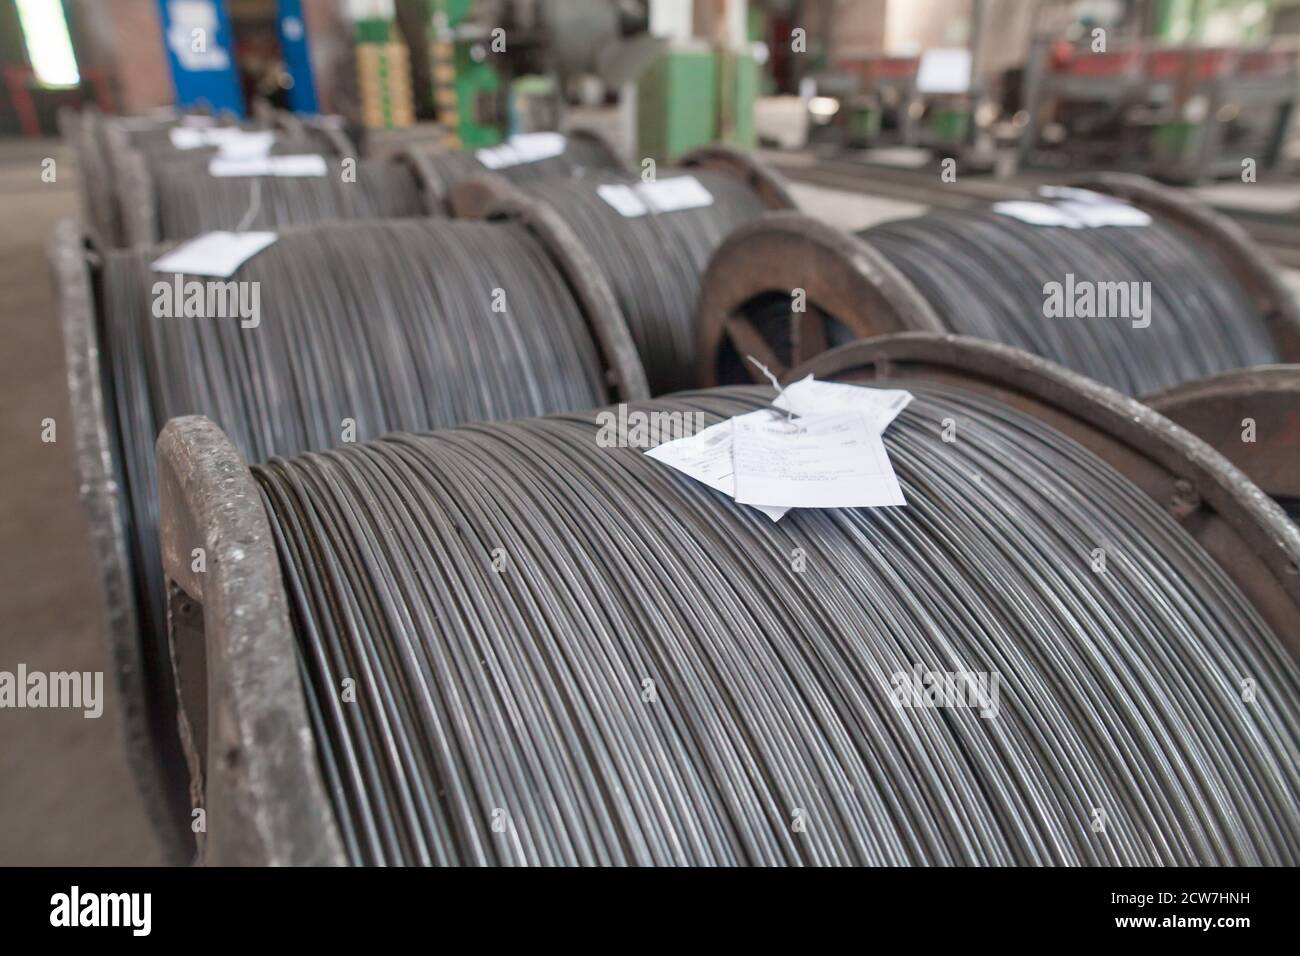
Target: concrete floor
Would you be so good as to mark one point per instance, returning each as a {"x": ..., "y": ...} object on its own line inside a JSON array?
[{"x": 65, "y": 794}]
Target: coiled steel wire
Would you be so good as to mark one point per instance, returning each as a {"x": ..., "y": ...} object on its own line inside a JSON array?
[
  {"x": 581, "y": 153},
  {"x": 190, "y": 201},
  {"x": 985, "y": 274},
  {"x": 561, "y": 653},
  {"x": 384, "y": 325},
  {"x": 653, "y": 262}
]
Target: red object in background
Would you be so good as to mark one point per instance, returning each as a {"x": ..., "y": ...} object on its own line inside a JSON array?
[
  {"x": 892, "y": 67},
  {"x": 18, "y": 81},
  {"x": 778, "y": 42},
  {"x": 1112, "y": 63},
  {"x": 1267, "y": 63},
  {"x": 1204, "y": 63}
]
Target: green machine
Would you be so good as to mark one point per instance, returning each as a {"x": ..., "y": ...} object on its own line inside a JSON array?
[
  {"x": 691, "y": 95},
  {"x": 467, "y": 85},
  {"x": 478, "y": 95}
]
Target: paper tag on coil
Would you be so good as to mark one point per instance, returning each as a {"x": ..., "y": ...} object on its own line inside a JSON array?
[
  {"x": 706, "y": 457},
  {"x": 809, "y": 397},
  {"x": 829, "y": 461},
  {"x": 1036, "y": 213},
  {"x": 674, "y": 193},
  {"x": 624, "y": 200},
  {"x": 307, "y": 164},
  {"x": 217, "y": 254},
  {"x": 662, "y": 195},
  {"x": 525, "y": 148}
]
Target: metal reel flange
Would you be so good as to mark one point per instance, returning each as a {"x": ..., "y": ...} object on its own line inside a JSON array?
[
  {"x": 153, "y": 752},
  {"x": 1256, "y": 273},
  {"x": 433, "y": 190},
  {"x": 473, "y": 196},
  {"x": 1220, "y": 409},
  {"x": 247, "y": 737},
  {"x": 613, "y": 160},
  {"x": 624, "y": 373},
  {"x": 770, "y": 185},
  {"x": 1240, "y": 526},
  {"x": 137, "y": 201},
  {"x": 842, "y": 277}
]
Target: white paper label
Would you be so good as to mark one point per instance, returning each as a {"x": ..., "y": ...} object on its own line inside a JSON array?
[
  {"x": 214, "y": 253},
  {"x": 525, "y": 148},
  {"x": 185, "y": 137},
  {"x": 676, "y": 192},
  {"x": 1085, "y": 210},
  {"x": 809, "y": 397},
  {"x": 1036, "y": 213},
  {"x": 664, "y": 195},
  {"x": 834, "y": 461},
  {"x": 706, "y": 457},
  {"x": 308, "y": 164},
  {"x": 245, "y": 145},
  {"x": 1093, "y": 215},
  {"x": 624, "y": 199},
  {"x": 231, "y": 141}
]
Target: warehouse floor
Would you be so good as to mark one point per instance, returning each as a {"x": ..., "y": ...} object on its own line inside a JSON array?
[{"x": 65, "y": 793}]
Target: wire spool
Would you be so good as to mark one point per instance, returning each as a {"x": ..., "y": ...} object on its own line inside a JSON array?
[
  {"x": 1252, "y": 417},
  {"x": 189, "y": 201},
  {"x": 138, "y": 158},
  {"x": 83, "y": 134},
  {"x": 653, "y": 262},
  {"x": 384, "y": 324},
  {"x": 985, "y": 274},
  {"x": 441, "y": 170},
  {"x": 515, "y": 697}
]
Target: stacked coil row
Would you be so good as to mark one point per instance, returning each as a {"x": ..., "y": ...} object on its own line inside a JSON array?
[{"x": 442, "y": 620}]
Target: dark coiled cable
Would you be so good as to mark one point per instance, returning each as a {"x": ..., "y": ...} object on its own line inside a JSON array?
[
  {"x": 364, "y": 327},
  {"x": 190, "y": 201},
  {"x": 582, "y": 153},
  {"x": 654, "y": 262},
  {"x": 562, "y": 653},
  {"x": 984, "y": 274}
]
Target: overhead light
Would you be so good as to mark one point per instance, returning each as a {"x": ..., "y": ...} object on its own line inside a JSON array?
[
  {"x": 45, "y": 33},
  {"x": 823, "y": 106}
]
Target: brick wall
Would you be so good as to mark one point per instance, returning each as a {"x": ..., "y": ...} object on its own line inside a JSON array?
[{"x": 124, "y": 38}]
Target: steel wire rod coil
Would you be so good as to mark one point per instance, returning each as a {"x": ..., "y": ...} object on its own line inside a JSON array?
[
  {"x": 138, "y": 172},
  {"x": 653, "y": 262},
  {"x": 189, "y": 201},
  {"x": 1212, "y": 302},
  {"x": 985, "y": 273},
  {"x": 443, "y": 169},
  {"x": 563, "y": 653},
  {"x": 363, "y": 328}
]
